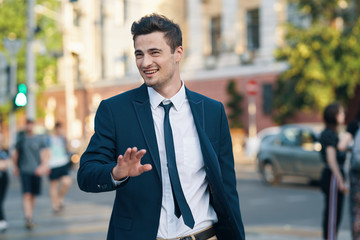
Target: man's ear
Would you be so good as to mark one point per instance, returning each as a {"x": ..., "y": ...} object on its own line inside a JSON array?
[{"x": 178, "y": 53}]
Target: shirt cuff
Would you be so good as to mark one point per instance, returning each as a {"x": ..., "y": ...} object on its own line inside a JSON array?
[{"x": 118, "y": 182}]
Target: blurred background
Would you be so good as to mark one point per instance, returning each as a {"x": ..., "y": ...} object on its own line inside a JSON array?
[
  {"x": 269, "y": 61},
  {"x": 272, "y": 63}
]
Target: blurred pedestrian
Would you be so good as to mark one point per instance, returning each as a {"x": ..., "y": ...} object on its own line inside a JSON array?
[
  {"x": 184, "y": 187},
  {"x": 5, "y": 163},
  {"x": 347, "y": 143},
  {"x": 59, "y": 163},
  {"x": 31, "y": 163},
  {"x": 333, "y": 181}
]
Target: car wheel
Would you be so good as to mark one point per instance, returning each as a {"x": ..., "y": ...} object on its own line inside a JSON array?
[{"x": 269, "y": 174}]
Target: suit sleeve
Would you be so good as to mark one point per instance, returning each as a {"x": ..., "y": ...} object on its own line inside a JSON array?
[
  {"x": 226, "y": 159},
  {"x": 99, "y": 158}
]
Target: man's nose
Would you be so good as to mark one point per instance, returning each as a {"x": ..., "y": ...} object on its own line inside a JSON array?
[{"x": 147, "y": 61}]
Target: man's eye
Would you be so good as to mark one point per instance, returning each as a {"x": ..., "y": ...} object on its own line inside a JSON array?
[
  {"x": 155, "y": 53},
  {"x": 138, "y": 55}
]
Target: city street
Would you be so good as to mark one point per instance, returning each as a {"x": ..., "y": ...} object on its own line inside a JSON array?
[{"x": 290, "y": 211}]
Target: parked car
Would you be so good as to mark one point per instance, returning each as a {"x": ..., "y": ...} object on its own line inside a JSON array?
[
  {"x": 293, "y": 151},
  {"x": 252, "y": 144}
]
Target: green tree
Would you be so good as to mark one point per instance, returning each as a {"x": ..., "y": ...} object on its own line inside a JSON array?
[
  {"x": 323, "y": 57},
  {"x": 234, "y": 104},
  {"x": 48, "y": 40}
]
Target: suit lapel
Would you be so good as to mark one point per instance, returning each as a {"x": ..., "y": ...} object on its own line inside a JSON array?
[
  {"x": 197, "y": 109},
  {"x": 144, "y": 114},
  {"x": 209, "y": 154}
]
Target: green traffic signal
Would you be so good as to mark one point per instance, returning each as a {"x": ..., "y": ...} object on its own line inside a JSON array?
[
  {"x": 21, "y": 98},
  {"x": 22, "y": 88}
]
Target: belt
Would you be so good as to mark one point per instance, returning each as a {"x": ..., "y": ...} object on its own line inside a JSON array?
[{"x": 203, "y": 235}]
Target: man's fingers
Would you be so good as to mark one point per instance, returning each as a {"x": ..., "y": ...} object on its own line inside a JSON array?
[
  {"x": 133, "y": 152},
  {"x": 147, "y": 167},
  {"x": 120, "y": 158},
  {"x": 126, "y": 155},
  {"x": 140, "y": 153}
]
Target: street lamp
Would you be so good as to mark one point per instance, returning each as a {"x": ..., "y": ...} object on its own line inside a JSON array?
[{"x": 30, "y": 60}]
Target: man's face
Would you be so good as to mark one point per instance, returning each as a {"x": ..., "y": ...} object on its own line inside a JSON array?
[
  {"x": 29, "y": 128},
  {"x": 340, "y": 117},
  {"x": 157, "y": 65},
  {"x": 58, "y": 130}
]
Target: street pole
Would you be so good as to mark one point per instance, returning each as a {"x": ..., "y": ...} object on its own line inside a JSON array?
[
  {"x": 4, "y": 83},
  {"x": 252, "y": 89},
  {"x": 30, "y": 61},
  {"x": 13, "y": 47},
  {"x": 252, "y": 117},
  {"x": 69, "y": 73}
]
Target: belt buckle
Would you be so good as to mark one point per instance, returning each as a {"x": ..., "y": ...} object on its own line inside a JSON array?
[{"x": 188, "y": 238}]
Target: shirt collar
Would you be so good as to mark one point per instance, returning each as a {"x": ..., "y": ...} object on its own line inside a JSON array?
[{"x": 177, "y": 100}]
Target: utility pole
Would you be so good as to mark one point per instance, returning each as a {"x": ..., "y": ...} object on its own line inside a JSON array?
[
  {"x": 30, "y": 61},
  {"x": 4, "y": 80}
]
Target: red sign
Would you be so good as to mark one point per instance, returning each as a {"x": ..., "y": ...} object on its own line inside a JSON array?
[{"x": 252, "y": 87}]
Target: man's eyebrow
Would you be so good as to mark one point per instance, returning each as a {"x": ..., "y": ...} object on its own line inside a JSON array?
[
  {"x": 150, "y": 50},
  {"x": 154, "y": 49},
  {"x": 137, "y": 51}
]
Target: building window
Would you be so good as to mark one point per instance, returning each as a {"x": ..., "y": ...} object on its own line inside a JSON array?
[
  {"x": 215, "y": 26},
  {"x": 76, "y": 67},
  {"x": 77, "y": 16},
  {"x": 267, "y": 98},
  {"x": 252, "y": 27}
]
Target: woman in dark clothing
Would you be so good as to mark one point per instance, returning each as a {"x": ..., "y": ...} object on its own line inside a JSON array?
[
  {"x": 333, "y": 182},
  {"x": 354, "y": 176}
]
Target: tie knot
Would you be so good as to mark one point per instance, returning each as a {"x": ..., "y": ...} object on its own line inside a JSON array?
[{"x": 166, "y": 107}]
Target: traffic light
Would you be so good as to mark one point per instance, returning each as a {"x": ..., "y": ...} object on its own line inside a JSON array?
[{"x": 21, "y": 98}]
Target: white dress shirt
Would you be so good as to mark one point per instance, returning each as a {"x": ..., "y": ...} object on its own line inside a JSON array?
[{"x": 190, "y": 166}]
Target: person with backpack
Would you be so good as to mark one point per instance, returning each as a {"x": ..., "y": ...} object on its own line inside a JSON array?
[{"x": 352, "y": 138}]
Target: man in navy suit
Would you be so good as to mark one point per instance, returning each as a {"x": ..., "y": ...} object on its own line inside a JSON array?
[{"x": 137, "y": 143}]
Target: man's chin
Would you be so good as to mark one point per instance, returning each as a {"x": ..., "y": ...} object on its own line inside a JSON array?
[{"x": 149, "y": 83}]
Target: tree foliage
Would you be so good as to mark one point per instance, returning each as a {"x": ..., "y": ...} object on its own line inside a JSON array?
[
  {"x": 323, "y": 57},
  {"x": 47, "y": 39},
  {"x": 234, "y": 104}
]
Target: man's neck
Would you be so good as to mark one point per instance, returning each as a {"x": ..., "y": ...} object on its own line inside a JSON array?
[{"x": 169, "y": 91}]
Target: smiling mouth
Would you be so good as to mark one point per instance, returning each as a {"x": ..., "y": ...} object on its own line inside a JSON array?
[{"x": 151, "y": 71}]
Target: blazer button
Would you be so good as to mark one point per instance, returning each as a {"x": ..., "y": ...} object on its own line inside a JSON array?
[{"x": 104, "y": 186}]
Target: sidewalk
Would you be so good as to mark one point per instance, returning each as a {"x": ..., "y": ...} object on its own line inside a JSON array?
[{"x": 83, "y": 220}]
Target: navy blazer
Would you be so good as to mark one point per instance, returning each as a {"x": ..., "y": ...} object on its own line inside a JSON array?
[{"x": 124, "y": 121}]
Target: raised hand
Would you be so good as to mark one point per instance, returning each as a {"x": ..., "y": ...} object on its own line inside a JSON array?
[{"x": 128, "y": 165}]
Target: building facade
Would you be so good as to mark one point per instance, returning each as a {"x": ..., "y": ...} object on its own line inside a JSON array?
[{"x": 223, "y": 40}]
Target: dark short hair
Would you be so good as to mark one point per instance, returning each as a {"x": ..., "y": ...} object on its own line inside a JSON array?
[
  {"x": 29, "y": 121},
  {"x": 329, "y": 115},
  {"x": 155, "y": 22},
  {"x": 58, "y": 124}
]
